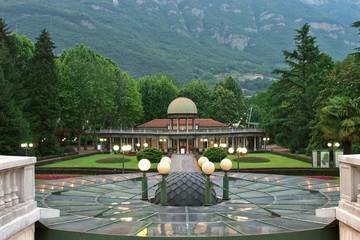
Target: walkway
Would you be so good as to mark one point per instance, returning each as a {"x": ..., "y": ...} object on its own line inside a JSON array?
[{"x": 183, "y": 163}]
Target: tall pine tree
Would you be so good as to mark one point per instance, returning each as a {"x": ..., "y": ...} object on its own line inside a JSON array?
[
  {"x": 291, "y": 99},
  {"x": 42, "y": 108},
  {"x": 13, "y": 126}
]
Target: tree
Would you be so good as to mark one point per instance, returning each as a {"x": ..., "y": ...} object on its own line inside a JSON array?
[
  {"x": 42, "y": 109},
  {"x": 343, "y": 80},
  {"x": 290, "y": 99},
  {"x": 198, "y": 91},
  {"x": 14, "y": 128},
  {"x": 356, "y": 25},
  {"x": 156, "y": 96},
  {"x": 340, "y": 120},
  {"x": 224, "y": 105}
]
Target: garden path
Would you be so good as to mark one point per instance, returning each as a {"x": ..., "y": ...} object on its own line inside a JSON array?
[{"x": 183, "y": 163}]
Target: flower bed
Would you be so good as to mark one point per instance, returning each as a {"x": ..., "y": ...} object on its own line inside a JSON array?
[
  {"x": 131, "y": 154},
  {"x": 52, "y": 177},
  {"x": 322, "y": 177}
]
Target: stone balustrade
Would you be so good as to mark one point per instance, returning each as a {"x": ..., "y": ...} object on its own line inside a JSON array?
[
  {"x": 18, "y": 210},
  {"x": 348, "y": 211}
]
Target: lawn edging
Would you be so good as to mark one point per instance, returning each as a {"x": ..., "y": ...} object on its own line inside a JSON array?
[{"x": 294, "y": 156}]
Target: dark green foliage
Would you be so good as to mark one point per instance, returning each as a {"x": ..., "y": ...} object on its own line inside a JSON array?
[
  {"x": 14, "y": 128},
  {"x": 152, "y": 154},
  {"x": 340, "y": 121},
  {"x": 213, "y": 154},
  {"x": 290, "y": 100},
  {"x": 253, "y": 160},
  {"x": 157, "y": 93},
  {"x": 113, "y": 160},
  {"x": 198, "y": 91},
  {"x": 42, "y": 109}
]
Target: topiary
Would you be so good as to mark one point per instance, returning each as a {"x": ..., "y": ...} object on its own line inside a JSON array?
[
  {"x": 213, "y": 154},
  {"x": 152, "y": 154}
]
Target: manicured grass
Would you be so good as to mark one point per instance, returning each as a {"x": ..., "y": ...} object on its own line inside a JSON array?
[
  {"x": 275, "y": 161},
  {"x": 90, "y": 161}
]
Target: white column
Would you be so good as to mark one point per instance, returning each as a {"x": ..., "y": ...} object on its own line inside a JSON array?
[
  {"x": 111, "y": 144},
  {"x": 133, "y": 144},
  {"x": 187, "y": 124},
  {"x": 7, "y": 190},
  {"x": 187, "y": 145},
  {"x": 178, "y": 145},
  {"x": 14, "y": 189},
  {"x": 157, "y": 143},
  {"x": 2, "y": 203},
  {"x": 255, "y": 147}
]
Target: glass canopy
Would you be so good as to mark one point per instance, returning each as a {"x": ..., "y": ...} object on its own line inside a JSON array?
[{"x": 259, "y": 204}]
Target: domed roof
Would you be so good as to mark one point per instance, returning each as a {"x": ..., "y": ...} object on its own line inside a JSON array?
[{"x": 182, "y": 105}]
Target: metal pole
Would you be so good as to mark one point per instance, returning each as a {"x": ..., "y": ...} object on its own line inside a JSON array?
[
  {"x": 226, "y": 187},
  {"x": 207, "y": 192},
  {"x": 123, "y": 163},
  {"x": 163, "y": 200},
  {"x": 238, "y": 162},
  {"x": 144, "y": 195}
]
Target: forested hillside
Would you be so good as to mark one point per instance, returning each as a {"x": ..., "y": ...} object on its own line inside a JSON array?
[{"x": 188, "y": 39}]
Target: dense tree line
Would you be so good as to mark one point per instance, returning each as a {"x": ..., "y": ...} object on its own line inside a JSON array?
[
  {"x": 315, "y": 101},
  {"x": 81, "y": 91}
]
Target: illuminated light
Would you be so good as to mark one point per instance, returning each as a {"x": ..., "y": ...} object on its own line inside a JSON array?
[
  {"x": 143, "y": 233},
  {"x": 208, "y": 168},
  {"x": 126, "y": 203},
  {"x": 122, "y": 208},
  {"x": 144, "y": 165},
  {"x": 72, "y": 185},
  {"x": 241, "y": 218},
  {"x": 113, "y": 203},
  {"x": 52, "y": 188},
  {"x": 113, "y": 219},
  {"x": 126, "y": 219}
]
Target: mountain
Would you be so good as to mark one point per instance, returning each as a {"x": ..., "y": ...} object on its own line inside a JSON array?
[{"x": 187, "y": 38}]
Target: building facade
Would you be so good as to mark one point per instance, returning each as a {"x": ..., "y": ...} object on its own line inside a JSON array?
[{"x": 183, "y": 132}]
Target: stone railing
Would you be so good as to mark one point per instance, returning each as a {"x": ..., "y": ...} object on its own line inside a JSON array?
[
  {"x": 18, "y": 209},
  {"x": 348, "y": 211},
  {"x": 17, "y": 181}
]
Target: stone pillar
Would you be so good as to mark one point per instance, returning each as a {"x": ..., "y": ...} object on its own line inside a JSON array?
[
  {"x": 111, "y": 144},
  {"x": 170, "y": 123},
  {"x": 255, "y": 147},
  {"x": 2, "y": 203},
  {"x": 187, "y": 124},
  {"x": 157, "y": 143},
  {"x": 14, "y": 189},
  {"x": 7, "y": 190},
  {"x": 178, "y": 145},
  {"x": 187, "y": 145},
  {"x": 133, "y": 144}
]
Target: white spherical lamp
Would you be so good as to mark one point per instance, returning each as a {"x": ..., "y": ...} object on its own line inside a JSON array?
[
  {"x": 231, "y": 150},
  {"x": 144, "y": 165},
  {"x": 208, "y": 168},
  {"x": 166, "y": 159},
  {"x": 116, "y": 148},
  {"x": 202, "y": 160},
  {"x": 163, "y": 167},
  {"x": 226, "y": 164}
]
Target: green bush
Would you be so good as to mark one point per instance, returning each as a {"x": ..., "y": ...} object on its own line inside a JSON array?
[
  {"x": 213, "y": 154},
  {"x": 154, "y": 155}
]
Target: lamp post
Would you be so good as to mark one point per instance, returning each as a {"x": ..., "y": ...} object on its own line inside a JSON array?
[
  {"x": 332, "y": 150},
  {"x": 265, "y": 140},
  {"x": 144, "y": 165},
  {"x": 221, "y": 146},
  {"x": 208, "y": 168},
  {"x": 240, "y": 151},
  {"x": 124, "y": 149},
  {"x": 226, "y": 165},
  {"x": 163, "y": 168},
  {"x": 26, "y": 146},
  {"x": 101, "y": 143},
  {"x": 202, "y": 160},
  {"x": 145, "y": 146}
]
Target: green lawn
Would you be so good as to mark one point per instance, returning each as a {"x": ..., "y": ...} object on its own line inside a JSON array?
[
  {"x": 275, "y": 161},
  {"x": 90, "y": 161}
]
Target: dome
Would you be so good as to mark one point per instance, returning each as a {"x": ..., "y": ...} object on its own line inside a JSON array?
[
  {"x": 185, "y": 189},
  {"x": 182, "y": 105}
]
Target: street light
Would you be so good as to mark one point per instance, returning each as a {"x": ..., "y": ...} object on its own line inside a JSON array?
[
  {"x": 145, "y": 146},
  {"x": 26, "y": 146},
  {"x": 208, "y": 168},
  {"x": 332, "y": 151},
  {"x": 163, "y": 168},
  {"x": 222, "y": 145},
  {"x": 101, "y": 142},
  {"x": 265, "y": 140},
  {"x": 226, "y": 165},
  {"x": 240, "y": 151},
  {"x": 202, "y": 160},
  {"x": 124, "y": 148},
  {"x": 144, "y": 165}
]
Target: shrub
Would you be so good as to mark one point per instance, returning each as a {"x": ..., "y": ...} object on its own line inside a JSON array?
[
  {"x": 213, "y": 154},
  {"x": 152, "y": 154}
]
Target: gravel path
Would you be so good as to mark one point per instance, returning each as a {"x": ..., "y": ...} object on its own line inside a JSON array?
[{"x": 183, "y": 163}]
